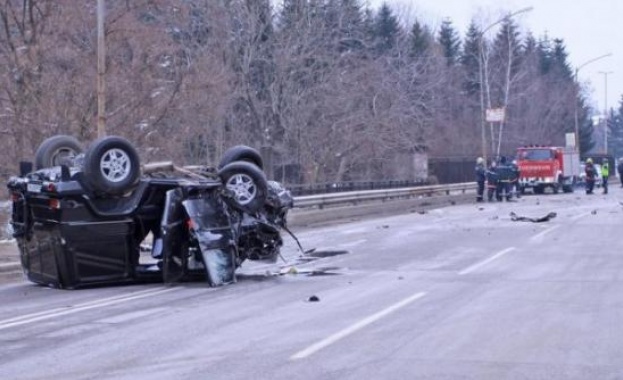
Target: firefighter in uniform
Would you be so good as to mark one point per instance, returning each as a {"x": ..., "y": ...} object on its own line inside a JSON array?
[
  {"x": 505, "y": 180},
  {"x": 605, "y": 173},
  {"x": 481, "y": 176},
  {"x": 492, "y": 182}
]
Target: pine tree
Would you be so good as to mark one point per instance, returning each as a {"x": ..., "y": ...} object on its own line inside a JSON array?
[
  {"x": 529, "y": 59},
  {"x": 386, "y": 29},
  {"x": 420, "y": 40},
  {"x": 470, "y": 59},
  {"x": 544, "y": 49},
  {"x": 507, "y": 46},
  {"x": 559, "y": 62},
  {"x": 450, "y": 42},
  {"x": 586, "y": 129}
]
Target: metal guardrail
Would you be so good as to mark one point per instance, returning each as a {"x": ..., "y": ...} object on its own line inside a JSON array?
[
  {"x": 340, "y": 187},
  {"x": 355, "y": 197}
]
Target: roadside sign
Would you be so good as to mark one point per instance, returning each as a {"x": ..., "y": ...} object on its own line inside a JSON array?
[
  {"x": 570, "y": 140},
  {"x": 495, "y": 114}
]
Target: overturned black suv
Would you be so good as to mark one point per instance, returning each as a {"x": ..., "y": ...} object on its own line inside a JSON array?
[{"x": 83, "y": 219}]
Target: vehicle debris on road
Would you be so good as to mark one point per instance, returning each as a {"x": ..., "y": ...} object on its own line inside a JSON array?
[{"x": 546, "y": 218}]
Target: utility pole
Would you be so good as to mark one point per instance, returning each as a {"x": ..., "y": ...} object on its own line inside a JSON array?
[
  {"x": 101, "y": 71},
  {"x": 605, "y": 74}
]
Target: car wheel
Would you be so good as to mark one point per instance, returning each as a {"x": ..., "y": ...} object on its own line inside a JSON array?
[
  {"x": 241, "y": 153},
  {"x": 112, "y": 165},
  {"x": 247, "y": 183},
  {"x": 57, "y": 150}
]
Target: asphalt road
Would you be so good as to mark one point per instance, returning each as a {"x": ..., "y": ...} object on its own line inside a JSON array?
[{"x": 460, "y": 292}]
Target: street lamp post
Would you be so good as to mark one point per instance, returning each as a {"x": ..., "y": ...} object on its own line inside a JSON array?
[
  {"x": 482, "y": 74},
  {"x": 605, "y": 74},
  {"x": 575, "y": 101}
]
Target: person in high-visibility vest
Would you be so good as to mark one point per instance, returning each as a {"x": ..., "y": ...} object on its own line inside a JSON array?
[{"x": 605, "y": 172}]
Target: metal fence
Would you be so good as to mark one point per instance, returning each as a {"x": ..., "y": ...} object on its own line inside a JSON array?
[{"x": 452, "y": 170}]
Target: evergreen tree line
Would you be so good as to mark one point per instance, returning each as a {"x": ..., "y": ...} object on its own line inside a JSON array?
[{"x": 334, "y": 90}]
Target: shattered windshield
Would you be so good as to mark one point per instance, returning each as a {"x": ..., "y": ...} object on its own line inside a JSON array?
[{"x": 536, "y": 154}]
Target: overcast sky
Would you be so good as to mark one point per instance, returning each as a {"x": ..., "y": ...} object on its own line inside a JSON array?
[{"x": 590, "y": 29}]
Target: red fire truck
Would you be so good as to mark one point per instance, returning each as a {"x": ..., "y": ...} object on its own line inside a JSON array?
[{"x": 541, "y": 167}]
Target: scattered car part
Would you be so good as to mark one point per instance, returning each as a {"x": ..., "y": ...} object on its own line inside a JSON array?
[{"x": 546, "y": 218}]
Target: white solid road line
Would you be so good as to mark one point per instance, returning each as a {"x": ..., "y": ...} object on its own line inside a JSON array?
[
  {"x": 49, "y": 314},
  {"x": 580, "y": 216},
  {"x": 540, "y": 235},
  {"x": 486, "y": 261},
  {"x": 355, "y": 327}
]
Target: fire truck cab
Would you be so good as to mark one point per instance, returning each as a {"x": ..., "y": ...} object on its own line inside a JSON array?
[{"x": 548, "y": 166}]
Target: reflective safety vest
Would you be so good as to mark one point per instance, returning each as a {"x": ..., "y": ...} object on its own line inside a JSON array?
[{"x": 605, "y": 170}]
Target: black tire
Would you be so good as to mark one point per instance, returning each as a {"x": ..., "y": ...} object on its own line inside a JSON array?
[
  {"x": 248, "y": 184},
  {"x": 112, "y": 165},
  {"x": 241, "y": 153},
  {"x": 57, "y": 150}
]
